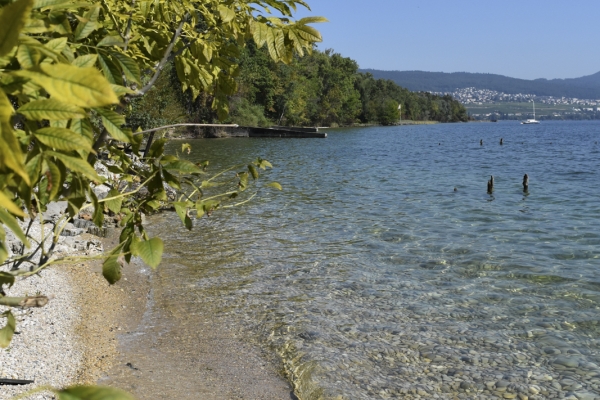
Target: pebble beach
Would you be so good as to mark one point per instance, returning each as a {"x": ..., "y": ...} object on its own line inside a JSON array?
[{"x": 72, "y": 339}]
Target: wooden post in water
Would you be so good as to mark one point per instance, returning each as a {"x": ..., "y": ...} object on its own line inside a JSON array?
[
  {"x": 501, "y": 141},
  {"x": 490, "y": 185},
  {"x": 525, "y": 183}
]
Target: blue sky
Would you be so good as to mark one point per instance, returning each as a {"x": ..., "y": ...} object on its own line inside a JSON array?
[{"x": 525, "y": 39}]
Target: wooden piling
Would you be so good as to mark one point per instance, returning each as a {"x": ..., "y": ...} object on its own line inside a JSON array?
[{"x": 490, "y": 184}]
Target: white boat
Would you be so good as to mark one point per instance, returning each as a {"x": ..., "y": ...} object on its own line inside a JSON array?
[{"x": 531, "y": 121}]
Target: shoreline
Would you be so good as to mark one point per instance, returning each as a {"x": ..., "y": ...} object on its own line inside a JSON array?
[
  {"x": 94, "y": 333},
  {"x": 71, "y": 340}
]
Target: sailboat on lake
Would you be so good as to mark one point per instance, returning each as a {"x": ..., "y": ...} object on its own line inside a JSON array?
[{"x": 531, "y": 121}]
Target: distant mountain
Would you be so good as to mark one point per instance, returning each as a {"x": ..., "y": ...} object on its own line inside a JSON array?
[{"x": 586, "y": 87}]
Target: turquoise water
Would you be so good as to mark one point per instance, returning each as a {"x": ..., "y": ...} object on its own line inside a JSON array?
[{"x": 370, "y": 276}]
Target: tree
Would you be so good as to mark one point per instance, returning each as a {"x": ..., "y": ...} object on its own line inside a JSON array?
[{"x": 68, "y": 73}]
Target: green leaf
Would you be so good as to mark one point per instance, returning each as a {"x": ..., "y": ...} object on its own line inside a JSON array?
[
  {"x": 12, "y": 20},
  {"x": 243, "y": 183},
  {"x": 50, "y": 109},
  {"x": 87, "y": 24},
  {"x": 111, "y": 270},
  {"x": 11, "y": 207},
  {"x": 7, "y": 332},
  {"x": 93, "y": 393},
  {"x": 311, "y": 20},
  {"x": 82, "y": 127},
  {"x": 253, "y": 171},
  {"x": 3, "y": 251},
  {"x": 6, "y": 279},
  {"x": 55, "y": 178},
  {"x": 112, "y": 122},
  {"x": 128, "y": 66},
  {"x": 11, "y": 222},
  {"x": 11, "y": 155},
  {"x": 27, "y": 56},
  {"x": 158, "y": 148},
  {"x": 183, "y": 166},
  {"x": 111, "y": 41},
  {"x": 308, "y": 33},
  {"x": 113, "y": 205},
  {"x": 171, "y": 180},
  {"x": 181, "y": 210},
  {"x": 76, "y": 165},
  {"x": 57, "y": 45},
  {"x": 62, "y": 139},
  {"x": 86, "y": 61},
  {"x": 121, "y": 90},
  {"x": 149, "y": 250},
  {"x": 206, "y": 206},
  {"x": 275, "y": 185},
  {"x": 227, "y": 14},
  {"x": 83, "y": 87},
  {"x": 264, "y": 164},
  {"x": 259, "y": 33},
  {"x": 109, "y": 70}
]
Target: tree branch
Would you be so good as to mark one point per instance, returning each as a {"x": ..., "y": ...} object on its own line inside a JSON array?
[
  {"x": 24, "y": 302},
  {"x": 165, "y": 59},
  {"x": 176, "y": 125}
]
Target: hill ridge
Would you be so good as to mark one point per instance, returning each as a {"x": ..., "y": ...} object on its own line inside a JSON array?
[{"x": 585, "y": 87}]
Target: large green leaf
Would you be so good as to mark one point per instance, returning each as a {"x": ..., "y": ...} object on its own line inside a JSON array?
[
  {"x": 62, "y": 139},
  {"x": 308, "y": 33},
  {"x": 113, "y": 205},
  {"x": 114, "y": 40},
  {"x": 11, "y": 207},
  {"x": 83, "y": 87},
  {"x": 275, "y": 185},
  {"x": 111, "y": 270},
  {"x": 183, "y": 166},
  {"x": 108, "y": 69},
  {"x": 181, "y": 209},
  {"x": 57, "y": 45},
  {"x": 113, "y": 122},
  {"x": 130, "y": 68},
  {"x": 259, "y": 33},
  {"x": 12, "y": 20},
  {"x": 76, "y": 165},
  {"x": 85, "y": 61},
  {"x": 51, "y": 109},
  {"x": 82, "y": 127},
  {"x": 10, "y": 151},
  {"x": 93, "y": 393},
  {"x": 7, "y": 332},
  {"x": 149, "y": 250},
  {"x": 227, "y": 14},
  {"x": 55, "y": 178},
  {"x": 27, "y": 56},
  {"x": 11, "y": 222},
  {"x": 87, "y": 24},
  {"x": 253, "y": 171}
]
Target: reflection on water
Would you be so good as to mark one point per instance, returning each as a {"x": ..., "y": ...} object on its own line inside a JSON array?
[{"x": 371, "y": 277}]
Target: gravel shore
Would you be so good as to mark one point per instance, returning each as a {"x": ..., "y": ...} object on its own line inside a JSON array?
[
  {"x": 72, "y": 339},
  {"x": 84, "y": 336}
]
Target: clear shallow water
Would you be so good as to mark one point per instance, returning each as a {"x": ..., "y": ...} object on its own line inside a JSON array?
[{"x": 372, "y": 278}]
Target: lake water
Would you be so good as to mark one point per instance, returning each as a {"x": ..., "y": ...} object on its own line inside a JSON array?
[{"x": 370, "y": 276}]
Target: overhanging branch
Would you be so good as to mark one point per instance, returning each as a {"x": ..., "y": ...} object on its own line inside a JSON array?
[
  {"x": 165, "y": 59},
  {"x": 176, "y": 125}
]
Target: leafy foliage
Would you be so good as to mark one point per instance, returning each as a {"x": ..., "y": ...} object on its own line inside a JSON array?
[
  {"x": 68, "y": 73},
  {"x": 327, "y": 89}
]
